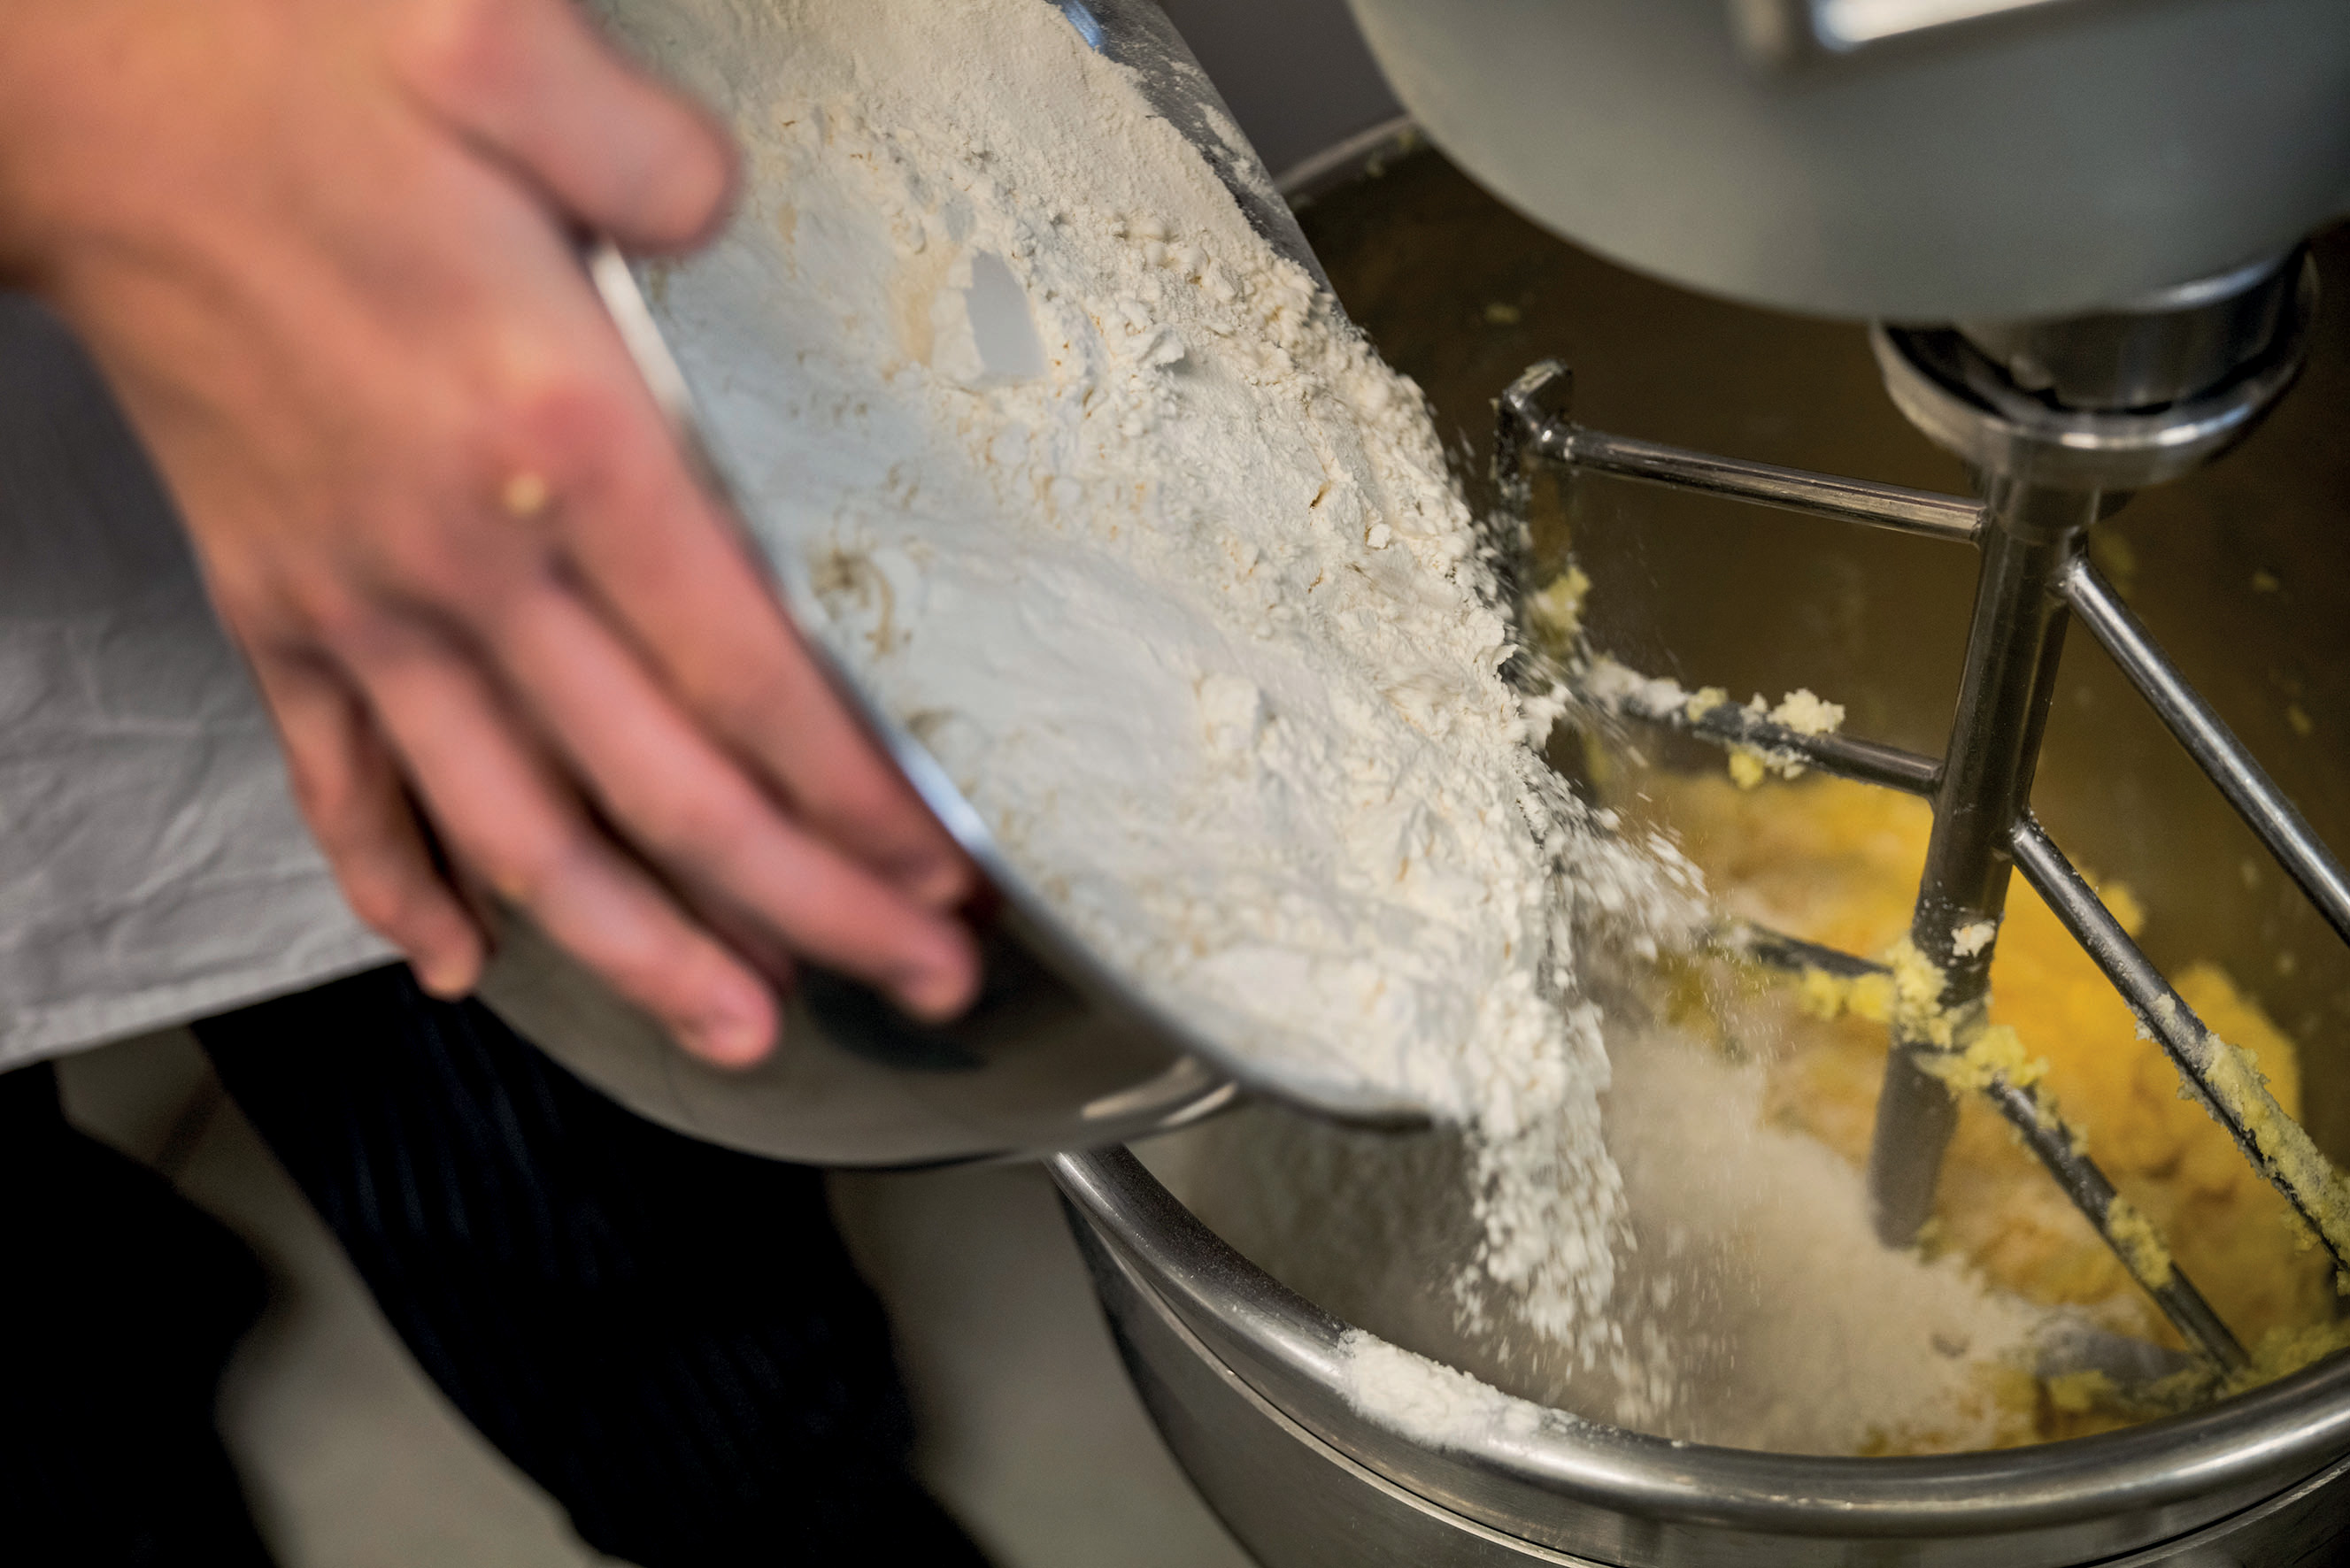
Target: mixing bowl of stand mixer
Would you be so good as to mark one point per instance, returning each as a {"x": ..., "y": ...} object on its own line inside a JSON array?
[{"x": 2211, "y": 603}]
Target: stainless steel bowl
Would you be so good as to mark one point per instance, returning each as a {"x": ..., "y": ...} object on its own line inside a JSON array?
[
  {"x": 2240, "y": 569},
  {"x": 1060, "y": 1051},
  {"x": 1241, "y": 1376}
]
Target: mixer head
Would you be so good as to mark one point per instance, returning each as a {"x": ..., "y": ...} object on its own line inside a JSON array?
[{"x": 1893, "y": 159}]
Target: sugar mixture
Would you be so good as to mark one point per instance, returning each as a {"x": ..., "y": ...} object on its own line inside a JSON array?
[{"x": 1757, "y": 1306}]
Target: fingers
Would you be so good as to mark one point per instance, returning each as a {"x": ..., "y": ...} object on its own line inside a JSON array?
[
  {"x": 656, "y": 558},
  {"x": 351, "y": 795},
  {"x": 694, "y": 812},
  {"x": 503, "y": 814},
  {"x": 532, "y": 83},
  {"x": 649, "y": 548}
]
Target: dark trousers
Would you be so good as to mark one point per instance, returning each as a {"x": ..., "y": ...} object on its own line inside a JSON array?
[{"x": 666, "y": 1336}]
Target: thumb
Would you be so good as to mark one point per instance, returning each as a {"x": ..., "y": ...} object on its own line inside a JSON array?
[{"x": 534, "y": 85}]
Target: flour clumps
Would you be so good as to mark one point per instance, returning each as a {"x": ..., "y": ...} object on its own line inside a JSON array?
[
  {"x": 1427, "y": 1401},
  {"x": 1104, "y": 498}
]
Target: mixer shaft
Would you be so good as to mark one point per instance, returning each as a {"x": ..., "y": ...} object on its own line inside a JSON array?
[{"x": 2013, "y": 647}]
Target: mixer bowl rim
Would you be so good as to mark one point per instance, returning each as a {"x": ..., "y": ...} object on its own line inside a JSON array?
[{"x": 2280, "y": 1433}]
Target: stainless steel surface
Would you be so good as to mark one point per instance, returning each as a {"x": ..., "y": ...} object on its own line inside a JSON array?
[
  {"x": 1243, "y": 1378},
  {"x": 2005, "y": 687},
  {"x": 1253, "y": 51},
  {"x": 2032, "y": 542},
  {"x": 1536, "y": 411},
  {"x": 2050, "y": 417},
  {"x": 2176, "y": 343},
  {"x": 1982, "y": 825},
  {"x": 1798, "y": 33},
  {"x": 2237, "y": 567},
  {"x": 1966, "y": 403},
  {"x": 1846, "y": 756},
  {"x": 2058, "y": 1147},
  {"x": 1138, "y": 35},
  {"x": 1341, "y": 164},
  {"x": 2016, "y": 171},
  {"x": 1060, "y": 1051},
  {"x": 2257, "y": 799},
  {"x": 1037, "y": 1066},
  {"x": 2275, "y": 1144},
  {"x": 2215, "y": 355}
]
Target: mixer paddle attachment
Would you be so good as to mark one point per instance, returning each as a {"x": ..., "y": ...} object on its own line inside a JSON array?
[
  {"x": 2061, "y": 422},
  {"x": 2045, "y": 1131}
]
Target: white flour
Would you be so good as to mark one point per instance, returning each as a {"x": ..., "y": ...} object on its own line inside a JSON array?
[
  {"x": 1426, "y": 1400},
  {"x": 1755, "y": 1308},
  {"x": 1135, "y": 533}
]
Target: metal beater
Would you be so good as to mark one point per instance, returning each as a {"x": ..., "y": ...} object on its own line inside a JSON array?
[{"x": 2058, "y": 421}]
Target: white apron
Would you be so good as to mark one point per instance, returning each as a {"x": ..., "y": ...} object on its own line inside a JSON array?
[{"x": 152, "y": 865}]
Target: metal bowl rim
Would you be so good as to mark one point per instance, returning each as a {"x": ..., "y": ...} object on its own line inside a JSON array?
[{"x": 2283, "y": 1431}]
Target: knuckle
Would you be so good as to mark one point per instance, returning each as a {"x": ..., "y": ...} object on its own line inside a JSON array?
[
  {"x": 571, "y": 421},
  {"x": 275, "y": 607},
  {"x": 433, "y": 563},
  {"x": 355, "y": 619},
  {"x": 751, "y": 686},
  {"x": 736, "y": 699},
  {"x": 699, "y": 822},
  {"x": 385, "y": 905},
  {"x": 689, "y": 186},
  {"x": 823, "y": 798},
  {"x": 425, "y": 547},
  {"x": 380, "y": 874},
  {"x": 388, "y": 884},
  {"x": 330, "y": 798},
  {"x": 533, "y": 868},
  {"x": 326, "y": 609},
  {"x": 589, "y": 435},
  {"x": 856, "y": 794},
  {"x": 456, "y": 52}
]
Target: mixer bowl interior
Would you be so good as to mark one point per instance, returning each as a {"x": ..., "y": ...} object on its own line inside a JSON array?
[
  {"x": 2238, "y": 569},
  {"x": 2241, "y": 569}
]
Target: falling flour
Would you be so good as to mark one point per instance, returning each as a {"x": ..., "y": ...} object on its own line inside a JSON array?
[
  {"x": 1752, "y": 1304},
  {"x": 1109, "y": 504},
  {"x": 1428, "y": 1401}
]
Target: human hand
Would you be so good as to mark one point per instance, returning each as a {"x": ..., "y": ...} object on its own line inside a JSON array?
[{"x": 326, "y": 251}]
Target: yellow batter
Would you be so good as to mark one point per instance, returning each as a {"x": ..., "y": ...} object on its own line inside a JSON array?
[{"x": 1838, "y": 863}]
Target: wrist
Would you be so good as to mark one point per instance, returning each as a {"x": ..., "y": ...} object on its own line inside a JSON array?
[{"x": 100, "y": 101}]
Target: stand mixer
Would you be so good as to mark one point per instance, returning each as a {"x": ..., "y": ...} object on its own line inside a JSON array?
[
  {"x": 2059, "y": 419},
  {"x": 2014, "y": 199}
]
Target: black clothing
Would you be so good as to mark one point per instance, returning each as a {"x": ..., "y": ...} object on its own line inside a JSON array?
[{"x": 666, "y": 1336}]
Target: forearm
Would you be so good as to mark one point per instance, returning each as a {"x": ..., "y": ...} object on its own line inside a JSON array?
[{"x": 104, "y": 107}]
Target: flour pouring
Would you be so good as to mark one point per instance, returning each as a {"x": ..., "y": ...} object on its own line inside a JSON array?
[
  {"x": 804, "y": 698},
  {"x": 1098, "y": 494}
]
